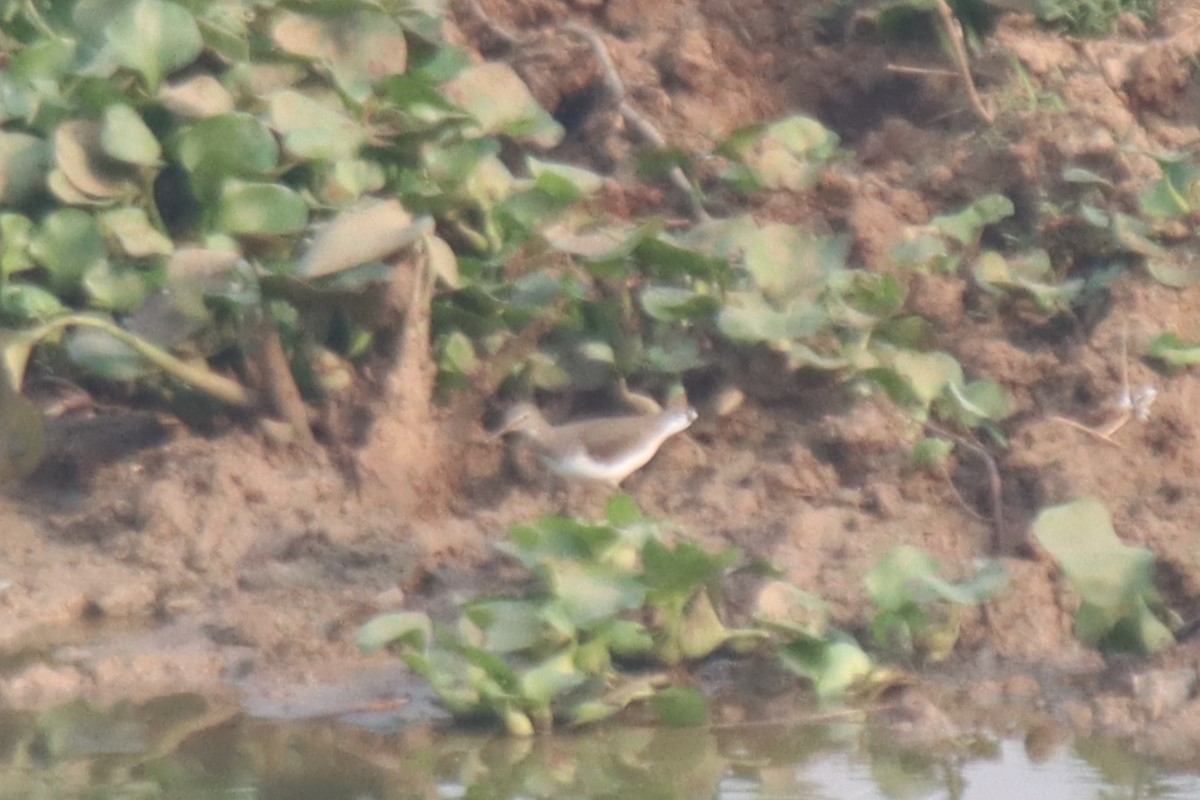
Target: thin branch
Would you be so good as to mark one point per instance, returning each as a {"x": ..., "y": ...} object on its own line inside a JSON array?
[
  {"x": 495, "y": 28},
  {"x": 954, "y": 32},
  {"x": 994, "y": 485},
  {"x": 634, "y": 118}
]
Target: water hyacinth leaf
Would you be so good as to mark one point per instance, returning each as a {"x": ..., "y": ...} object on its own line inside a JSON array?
[
  {"x": 16, "y": 233},
  {"x": 314, "y": 129},
  {"x": 125, "y": 137},
  {"x": 607, "y": 243},
  {"x": 1178, "y": 269},
  {"x": 787, "y": 262},
  {"x": 967, "y": 225},
  {"x": 22, "y": 435},
  {"x": 931, "y": 453},
  {"x": 552, "y": 677},
  {"x": 113, "y": 288},
  {"x": 359, "y": 46},
  {"x": 701, "y": 631},
  {"x": 1173, "y": 351},
  {"x": 67, "y": 244},
  {"x": 443, "y": 263},
  {"x": 423, "y": 106},
  {"x": 154, "y": 38},
  {"x": 509, "y": 626},
  {"x": 621, "y": 510},
  {"x": 456, "y": 354},
  {"x": 664, "y": 258},
  {"x": 28, "y": 302},
  {"x": 1085, "y": 176},
  {"x": 350, "y": 179},
  {"x": 500, "y": 102},
  {"x": 196, "y": 97},
  {"x": 681, "y": 707},
  {"x": 24, "y": 161},
  {"x": 370, "y": 231},
  {"x": 104, "y": 355},
  {"x": 674, "y": 304},
  {"x": 834, "y": 665},
  {"x": 404, "y": 628},
  {"x": 587, "y": 594},
  {"x": 1115, "y": 582},
  {"x": 746, "y": 317},
  {"x": 260, "y": 209},
  {"x": 1172, "y": 195},
  {"x": 227, "y": 145},
  {"x": 131, "y": 228},
  {"x": 927, "y": 374},
  {"x": 907, "y": 575},
  {"x": 79, "y": 157},
  {"x": 984, "y": 399},
  {"x": 683, "y": 569},
  {"x": 787, "y": 154},
  {"x": 563, "y": 181}
]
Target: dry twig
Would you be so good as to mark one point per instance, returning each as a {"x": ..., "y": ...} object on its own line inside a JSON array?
[
  {"x": 995, "y": 487},
  {"x": 634, "y": 118},
  {"x": 957, "y": 42}
]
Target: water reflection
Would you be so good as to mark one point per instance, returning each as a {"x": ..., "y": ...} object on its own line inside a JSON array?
[{"x": 189, "y": 747}]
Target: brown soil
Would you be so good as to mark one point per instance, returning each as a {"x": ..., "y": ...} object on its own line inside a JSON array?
[{"x": 153, "y": 559}]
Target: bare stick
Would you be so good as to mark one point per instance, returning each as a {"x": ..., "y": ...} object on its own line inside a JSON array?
[
  {"x": 994, "y": 485},
  {"x": 497, "y": 30},
  {"x": 1103, "y": 434},
  {"x": 903, "y": 69},
  {"x": 954, "y": 32},
  {"x": 634, "y": 118}
]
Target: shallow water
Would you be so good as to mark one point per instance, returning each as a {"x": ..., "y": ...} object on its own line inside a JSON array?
[{"x": 188, "y": 747}]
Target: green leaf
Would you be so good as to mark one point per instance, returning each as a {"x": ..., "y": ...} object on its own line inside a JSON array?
[
  {"x": 16, "y": 234},
  {"x": 136, "y": 236},
  {"x": 787, "y": 154},
  {"x": 27, "y": 302},
  {"x": 67, "y": 244},
  {"x": 114, "y": 288},
  {"x": 369, "y": 231},
  {"x": 407, "y": 628},
  {"x": 232, "y": 145},
  {"x": 501, "y": 103},
  {"x": 1172, "y": 195},
  {"x": 552, "y": 677},
  {"x": 673, "y": 304},
  {"x": 509, "y": 626},
  {"x": 968, "y": 225},
  {"x": 931, "y": 452},
  {"x": 681, "y": 707},
  {"x": 154, "y": 38},
  {"x": 587, "y": 594},
  {"x": 1173, "y": 351},
  {"x": 746, "y": 317},
  {"x": 125, "y": 137},
  {"x": 621, "y": 510},
  {"x": 24, "y": 161},
  {"x": 314, "y": 129},
  {"x": 834, "y": 665},
  {"x": 1114, "y": 581},
  {"x": 359, "y": 46},
  {"x": 261, "y": 209}
]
